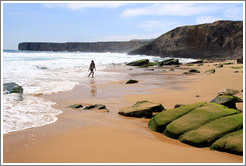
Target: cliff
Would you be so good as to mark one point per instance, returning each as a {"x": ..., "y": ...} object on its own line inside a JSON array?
[
  {"x": 218, "y": 40},
  {"x": 124, "y": 46}
]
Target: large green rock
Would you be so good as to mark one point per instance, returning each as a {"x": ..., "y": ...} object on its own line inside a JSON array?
[
  {"x": 140, "y": 62},
  {"x": 232, "y": 143},
  {"x": 162, "y": 119},
  {"x": 169, "y": 62},
  {"x": 227, "y": 100},
  {"x": 208, "y": 133},
  {"x": 142, "y": 109},
  {"x": 196, "y": 118}
]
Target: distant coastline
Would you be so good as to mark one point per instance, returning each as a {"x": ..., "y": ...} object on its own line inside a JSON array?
[
  {"x": 100, "y": 47},
  {"x": 221, "y": 40}
]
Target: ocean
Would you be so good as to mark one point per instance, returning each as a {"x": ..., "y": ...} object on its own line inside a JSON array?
[{"x": 47, "y": 73}]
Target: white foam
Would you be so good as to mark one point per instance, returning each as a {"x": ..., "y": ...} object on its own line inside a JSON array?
[{"x": 31, "y": 112}]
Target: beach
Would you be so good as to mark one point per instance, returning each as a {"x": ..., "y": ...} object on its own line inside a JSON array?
[{"x": 107, "y": 137}]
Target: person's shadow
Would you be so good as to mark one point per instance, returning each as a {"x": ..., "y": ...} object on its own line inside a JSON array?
[{"x": 93, "y": 88}]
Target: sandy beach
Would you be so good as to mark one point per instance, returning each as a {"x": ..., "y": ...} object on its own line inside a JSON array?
[{"x": 107, "y": 137}]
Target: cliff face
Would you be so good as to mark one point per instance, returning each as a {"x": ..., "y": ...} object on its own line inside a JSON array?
[
  {"x": 124, "y": 46},
  {"x": 218, "y": 40}
]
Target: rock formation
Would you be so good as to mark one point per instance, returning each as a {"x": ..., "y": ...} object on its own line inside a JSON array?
[
  {"x": 218, "y": 40},
  {"x": 124, "y": 46}
]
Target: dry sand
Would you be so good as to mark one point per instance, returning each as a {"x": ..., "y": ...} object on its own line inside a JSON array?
[{"x": 101, "y": 137}]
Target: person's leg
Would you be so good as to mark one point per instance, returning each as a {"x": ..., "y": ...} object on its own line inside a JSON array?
[
  {"x": 89, "y": 74},
  {"x": 93, "y": 74}
]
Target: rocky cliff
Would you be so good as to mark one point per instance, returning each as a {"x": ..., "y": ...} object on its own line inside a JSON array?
[
  {"x": 218, "y": 40},
  {"x": 124, "y": 46}
]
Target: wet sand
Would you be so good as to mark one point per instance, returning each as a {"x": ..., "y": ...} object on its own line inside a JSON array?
[{"x": 106, "y": 137}]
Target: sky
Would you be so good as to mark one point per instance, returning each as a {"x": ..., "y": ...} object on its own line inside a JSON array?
[{"x": 105, "y": 21}]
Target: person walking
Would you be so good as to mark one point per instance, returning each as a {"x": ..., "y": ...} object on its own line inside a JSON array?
[{"x": 91, "y": 68}]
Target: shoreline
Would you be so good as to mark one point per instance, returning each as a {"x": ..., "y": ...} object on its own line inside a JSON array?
[{"x": 99, "y": 137}]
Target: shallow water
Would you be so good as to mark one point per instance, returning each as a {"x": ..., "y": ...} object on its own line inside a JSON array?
[{"x": 49, "y": 73}]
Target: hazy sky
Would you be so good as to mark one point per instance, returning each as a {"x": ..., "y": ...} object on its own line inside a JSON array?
[{"x": 102, "y": 21}]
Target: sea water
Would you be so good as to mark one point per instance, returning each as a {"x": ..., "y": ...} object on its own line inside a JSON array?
[{"x": 48, "y": 73}]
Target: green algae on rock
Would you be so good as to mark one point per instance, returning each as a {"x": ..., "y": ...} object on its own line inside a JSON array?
[
  {"x": 142, "y": 109},
  {"x": 196, "y": 118},
  {"x": 232, "y": 143},
  {"x": 140, "y": 62},
  {"x": 159, "y": 122},
  {"x": 208, "y": 133}
]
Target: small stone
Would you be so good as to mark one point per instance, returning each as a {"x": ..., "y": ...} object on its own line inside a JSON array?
[{"x": 131, "y": 82}]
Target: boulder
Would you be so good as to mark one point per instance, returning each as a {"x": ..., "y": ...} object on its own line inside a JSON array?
[
  {"x": 12, "y": 88},
  {"x": 142, "y": 109},
  {"x": 196, "y": 118},
  {"x": 131, "y": 82},
  {"x": 169, "y": 62},
  {"x": 208, "y": 133},
  {"x": 232, "y": 143},
  {"x": 227, "y": 100},
  {"x": 140, "y": 62},
  {"x": 240, "y": 60},
  {"x": 162, "y": 119},
  {"x": 228, "y": 92},
  {"x": 194, "y": 71},
  {"x": 210, "y": 71},
  {"x": 96, "y": 106}
]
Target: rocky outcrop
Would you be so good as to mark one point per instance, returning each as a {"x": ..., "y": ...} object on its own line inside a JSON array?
[
  {"x": 142, "y": 109},
  {"x": 218, "y": 40},
  {"x": 210, "y": 132},
  {"x": 227, "y": 100},
  {"x": 124, "y": 46},
  {"x": 196, "y": 118},
  {"x": 202, "y": 125},
  {"x": 140, "y": 62},
  {"x": 232, "y": 143}
]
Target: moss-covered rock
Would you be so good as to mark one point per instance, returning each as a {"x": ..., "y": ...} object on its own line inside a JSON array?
[
  {"x": 196, "y": 118},
  {"x": 208, "y": 133},
  {"x": 142, "y": 109},
  {"x": 131, "y": 81},
  {"x": 140, "y": 62},
  {"x": 227, "y": 100},
  {"x": 232, "y": 143},
  {"x": 210, "y": 71},
  {"x": 76, "y": 106},
  {"x": 169, "y": 62},
  {"x": 194, "y": 71},
  {"x": 161, "y": 120}
]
